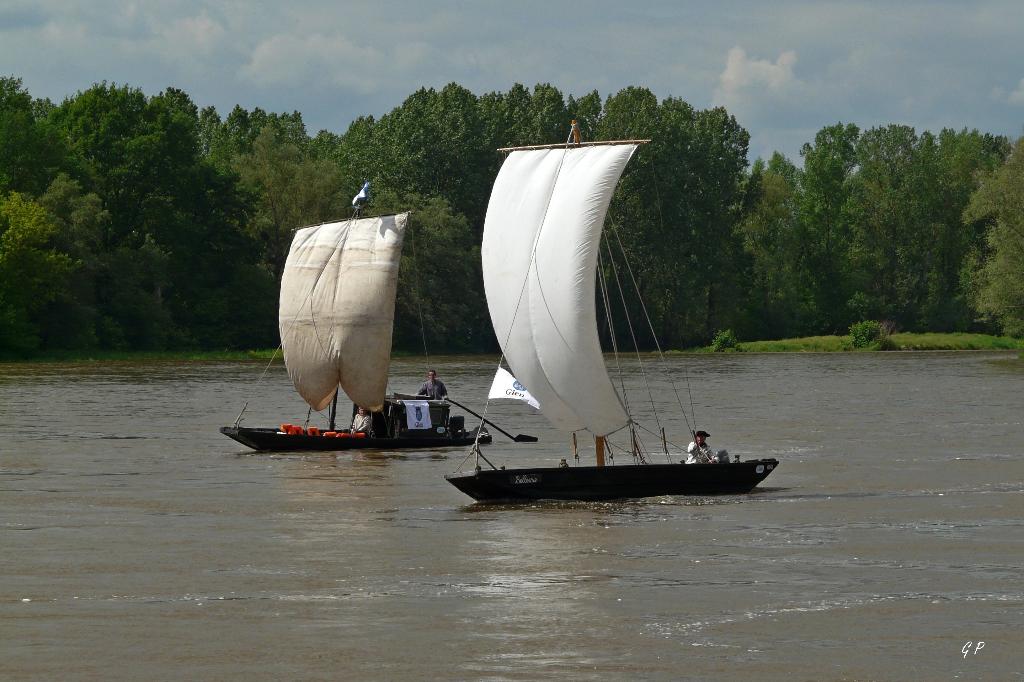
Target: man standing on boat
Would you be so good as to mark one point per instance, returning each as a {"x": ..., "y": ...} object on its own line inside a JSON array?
[
  {"x": 701, "y": 452},
  {"x": 433, "y": 387}
]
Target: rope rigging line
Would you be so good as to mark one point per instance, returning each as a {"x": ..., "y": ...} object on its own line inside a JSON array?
[
  {"x": 661, "y": 354},
  {"x": 686, "y": 371},
  {"x": 416, "y": 293},
  {"x": 672, "y": 443},
  {"x": 629, "y": 324},
  {"x": 636, "y": 447},
  {"x": 611, "y": 329}
]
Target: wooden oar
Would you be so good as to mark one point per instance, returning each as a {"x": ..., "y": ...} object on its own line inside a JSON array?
[{"x": 520, "y": 438}]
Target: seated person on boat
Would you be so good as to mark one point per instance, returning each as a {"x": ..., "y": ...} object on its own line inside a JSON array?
[
  {"x": 433, "y": 387},
  {"x": 701, "y": 452},
  {"x": 361, "y": 423}
]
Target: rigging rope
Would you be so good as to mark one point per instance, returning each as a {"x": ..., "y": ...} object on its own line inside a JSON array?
[
  {"x": 661, "y": 355},
  {"x": 611, "y": 328},
  {"x": 416, "y": 294},
  {"x": 629, "y": 324},
  {"x": 637, "y": 447},
  {"x": 686, "y": 372}
]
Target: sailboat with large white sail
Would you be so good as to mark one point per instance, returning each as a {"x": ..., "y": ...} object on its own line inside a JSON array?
[
  {"x": 540, "y": 255},
  {"x": 336, "y": 317}
]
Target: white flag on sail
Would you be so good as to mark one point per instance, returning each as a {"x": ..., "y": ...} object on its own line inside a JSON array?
[{"x": 506, "y": 386}]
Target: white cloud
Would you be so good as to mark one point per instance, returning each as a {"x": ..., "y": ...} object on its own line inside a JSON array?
[
  {"x": 288, "y": 60},
  {"x": 742, "y": 74},
  {"x": 783, "y": 70},
  {"x": 766, "y": 98},
  {"x": 1017, "y": 95},
  {"x": 199, "y": 33}
]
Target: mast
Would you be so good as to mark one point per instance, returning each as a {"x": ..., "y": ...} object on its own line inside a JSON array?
[{"x": 334, "y": 408}]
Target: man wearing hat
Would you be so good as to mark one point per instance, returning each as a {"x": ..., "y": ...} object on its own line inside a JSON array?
[{"x": 701, "y": 452}]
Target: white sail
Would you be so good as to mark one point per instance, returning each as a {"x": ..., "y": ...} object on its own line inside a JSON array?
[
  {"x": 540, "y": 247},
  {"x": 337, "y": 308}
]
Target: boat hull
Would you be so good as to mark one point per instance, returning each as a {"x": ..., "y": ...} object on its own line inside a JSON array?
[
  {"x": 612, "y": 482},
  {"x": 271, "y": 440}
]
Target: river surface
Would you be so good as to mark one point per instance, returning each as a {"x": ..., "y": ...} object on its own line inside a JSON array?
[{"x": 136, "y": 542}]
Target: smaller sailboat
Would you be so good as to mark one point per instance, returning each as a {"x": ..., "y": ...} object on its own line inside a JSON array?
[
  {"x": 540, "y": 253},
  {"x": 336, "y": 318}
]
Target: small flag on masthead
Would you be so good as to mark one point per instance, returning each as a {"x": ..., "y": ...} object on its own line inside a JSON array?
[{"x": 363, "y": 196}]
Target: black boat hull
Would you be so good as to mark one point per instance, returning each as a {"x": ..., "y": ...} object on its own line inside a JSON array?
[
  {"x": 612, "y": 482},
  {"x": 271, "y": 440}
]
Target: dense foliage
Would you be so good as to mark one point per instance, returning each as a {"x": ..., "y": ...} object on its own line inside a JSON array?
[{"x": 134, "y": 222}]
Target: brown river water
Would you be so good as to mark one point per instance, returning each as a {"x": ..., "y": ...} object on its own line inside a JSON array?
[{"x": 136, "y": 542}]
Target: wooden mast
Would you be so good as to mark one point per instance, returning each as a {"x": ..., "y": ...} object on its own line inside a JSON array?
[
  {"x": 599, "y": 444},
  {"x": 334, "y": 409}
]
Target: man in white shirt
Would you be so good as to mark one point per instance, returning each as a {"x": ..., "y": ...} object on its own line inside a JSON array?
[
  {"x": 361, "y": 423},
  {"x": 701, "y": 453}
]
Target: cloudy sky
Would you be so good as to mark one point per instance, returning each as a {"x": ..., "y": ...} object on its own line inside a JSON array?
[{"x": 783, "y": 68}]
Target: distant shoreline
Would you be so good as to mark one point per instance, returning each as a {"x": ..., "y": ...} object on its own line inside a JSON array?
[
  {"x": 810, "y": 344},
  {"x": 926, "y": 341}
]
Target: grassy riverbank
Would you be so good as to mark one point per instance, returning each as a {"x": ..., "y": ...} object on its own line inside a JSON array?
[
  {"x": 151, "y": 356},
  {"x": 807, "y": 344},
  {"x": 79, "y": 356},
  {"x": 902, "y": 341}
]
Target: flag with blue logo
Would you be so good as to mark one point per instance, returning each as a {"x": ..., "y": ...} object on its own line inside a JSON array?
[
  {"x": 417, "y": 414},
  {"x": 506, "y": 386},
  {"x": 363, "y": 196}
]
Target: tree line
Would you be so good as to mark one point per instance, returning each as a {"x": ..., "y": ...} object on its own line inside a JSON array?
[{"x": 135, "y": 222}]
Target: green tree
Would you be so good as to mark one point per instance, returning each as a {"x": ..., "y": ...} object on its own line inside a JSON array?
[
  {"x": 824, "y": 230},
  {"x": 291, "y": 191},
  {"x": 32, "y": 273},
  {"x": 909, "y": 240},
  {"x": 434, "y": 145},
  {"x": 999, "y": 284},
  {"x": 676, "y": 207},
  {"x": 224, "y": 141},
  {"x": 440, "y": 270},
  {"x": 173, "y": 251},
  {"x": 890, "y": 218},
  {"x": 963, "y": 158},
  {"x": 31, "y": 151},
  {"x": 72, "y": 319},
  {"x": 768, "y": 232}
]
